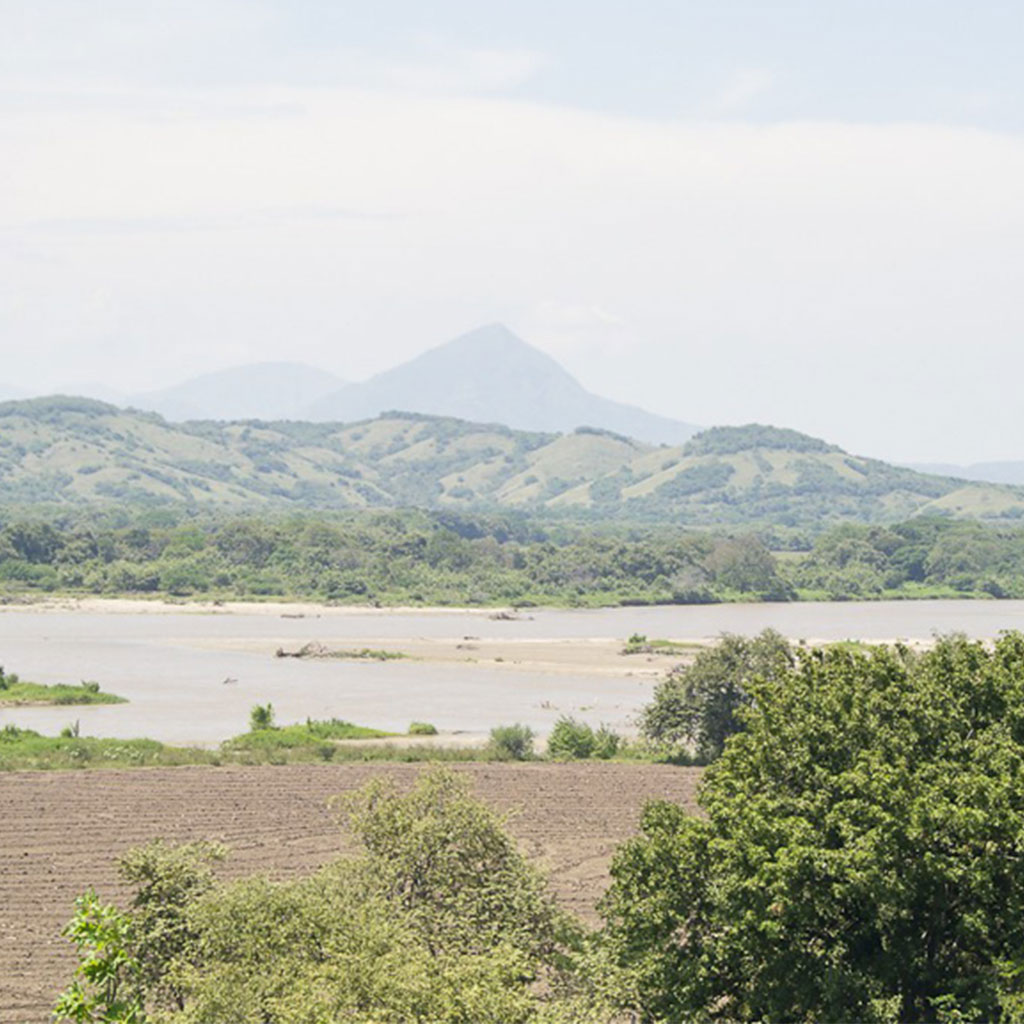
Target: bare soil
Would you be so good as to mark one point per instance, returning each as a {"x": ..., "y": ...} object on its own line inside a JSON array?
[{"x": 61, "y": 832}]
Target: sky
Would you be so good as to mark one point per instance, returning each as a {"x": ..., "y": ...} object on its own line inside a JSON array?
[{"x": 808, "y": 214}]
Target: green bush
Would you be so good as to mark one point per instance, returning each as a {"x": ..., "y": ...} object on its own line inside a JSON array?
[
  {"x": 422, "y": 729},
  {"x": 606, "y": 743},
  {"x": 438, "y": 919},
  {"x": 571, "y": 740},
  {"x": 311, "y": 733},
  {"x": 261, "y": 717},
  {"x": 512, "y": 742}
]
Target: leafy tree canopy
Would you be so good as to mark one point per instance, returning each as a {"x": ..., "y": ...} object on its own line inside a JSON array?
[
  {"x": 698, "y": 706},
  {"x": 861, "y": 854}
]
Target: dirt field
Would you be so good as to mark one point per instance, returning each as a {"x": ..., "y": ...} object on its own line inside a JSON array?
[{"x": 60, "y": 833}]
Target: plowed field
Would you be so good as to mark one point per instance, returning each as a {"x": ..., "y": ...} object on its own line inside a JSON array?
[{"x": 61, "y": 832}]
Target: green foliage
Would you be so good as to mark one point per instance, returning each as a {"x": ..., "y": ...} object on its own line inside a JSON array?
[
  {"x": 570, "y": 740},
  {"x": 314, "y": 737},
  {"x": 446, "y": 860},
  {"x": 923, "y": 557},
  {"x": 422, "y": 729},
  {"x": 167, "y": 880},
  {"x": 261, "y": 717},
  {"x": 729, "y": 440},
  {"x": 439, "y": 920},
  {"x": 574, "y": 740},
  {"x": 25, "y": 749},
  {"x": 859, "y": 857},
  {"x": 728, "y": 476},
  {"x": 607, "y": 743},
  {"x": 512, "y": 742},
  {"x": 698, "y": 706},
  {"x": 14, "y": 692},
  {"x": 108, "y": 987},
  {"x": 638, "y": 643},
  {"x": 374, "y": 557}
]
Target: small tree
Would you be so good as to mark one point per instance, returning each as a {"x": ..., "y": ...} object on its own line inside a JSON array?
[
  {"x": 571, "y": 739},
  {"x": 512, "y": 742},
  {"x": 698, "y": 705},
  {"x": 108, "y": 985},
  {"x": 261, "y": 716}
]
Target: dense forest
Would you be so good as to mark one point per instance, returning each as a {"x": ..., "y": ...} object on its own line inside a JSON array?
[{"x": 453, "y": 558}]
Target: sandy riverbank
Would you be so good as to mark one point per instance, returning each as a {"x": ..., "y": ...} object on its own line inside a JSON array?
[
  {"x": 554, "y": 655},
  {"x": 288, "y": 609}
]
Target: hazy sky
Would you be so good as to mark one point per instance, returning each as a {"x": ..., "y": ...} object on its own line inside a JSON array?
[{"x": 807, "y": 213}]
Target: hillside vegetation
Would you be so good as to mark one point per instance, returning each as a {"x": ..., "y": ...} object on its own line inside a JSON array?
[{"x": 72, "y": 450}]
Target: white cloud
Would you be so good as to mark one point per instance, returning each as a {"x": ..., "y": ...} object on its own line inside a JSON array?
[
  {"x": 837, "y": 278},
  {"x": 442, "y": 67}
]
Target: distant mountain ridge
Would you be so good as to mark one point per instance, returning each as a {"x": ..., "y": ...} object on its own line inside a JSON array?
[
  {"x": 76, "y": 450},
  {"x": 266, "y": 391},
  {"x": 1007, "y": 472},
  {"x": 492, "y": 375}
]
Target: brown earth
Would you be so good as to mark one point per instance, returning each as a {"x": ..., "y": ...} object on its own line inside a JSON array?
[{"x": 61, "y": 832}]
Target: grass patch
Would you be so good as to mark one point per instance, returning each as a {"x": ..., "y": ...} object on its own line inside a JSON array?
[
  {"x": 310, "y": 733},
  {"x": 22, "y": 749},
  {"x": 640, "y": 644},
  {"x": 13, "y": 693}
]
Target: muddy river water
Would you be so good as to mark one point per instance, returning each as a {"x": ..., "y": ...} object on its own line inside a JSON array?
[{"x": 191, "y": 675}]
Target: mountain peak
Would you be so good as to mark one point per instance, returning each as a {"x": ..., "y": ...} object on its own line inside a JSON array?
[
  {"x": 494, "y": 347},
  {"x": 491, "y": 375},
  {"x": 494, "y": 335}
]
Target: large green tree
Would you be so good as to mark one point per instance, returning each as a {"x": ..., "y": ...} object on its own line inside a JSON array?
[
  {"x": 698, "y": 706},
  {"x": 861, "y": 856}
]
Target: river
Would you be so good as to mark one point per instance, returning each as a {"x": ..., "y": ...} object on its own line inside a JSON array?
[{"x": 191, "y": 676}]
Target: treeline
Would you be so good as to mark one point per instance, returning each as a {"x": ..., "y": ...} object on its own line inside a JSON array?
[
  {"x": 923, "y": 557},
  {"x": 388, "y": 557},
  {"x": 453, "y": 558},
  {"x": 857, "y": 858}
]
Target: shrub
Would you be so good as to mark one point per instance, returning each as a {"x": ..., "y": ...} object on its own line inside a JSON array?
[
  {"x": 440, "y": 919},
  {"x": 261, "y": 716},
  {"x": 606, "y": 743},
  {"x": 422, "y": 729},
  {"x": 512, "y": 742},
  {"x": 571, "y": 740}
]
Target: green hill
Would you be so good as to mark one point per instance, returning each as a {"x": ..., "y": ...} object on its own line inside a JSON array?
[{"x": 74, "y": 450}]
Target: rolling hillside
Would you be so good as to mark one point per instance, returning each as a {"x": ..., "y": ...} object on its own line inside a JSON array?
[{"x": 72, "y": 450}]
